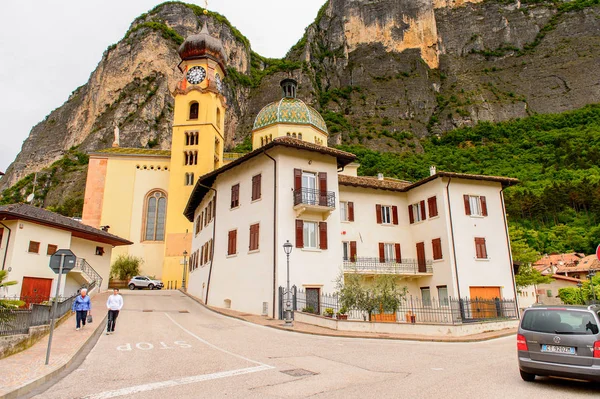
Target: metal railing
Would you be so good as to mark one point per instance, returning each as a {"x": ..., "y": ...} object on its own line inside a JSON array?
[
  {"x": 18, "y": 321},
  {"x": 93, "y": 276},
  {"x": 412, "y": 309},
  {"x": 366, "y": 265},
  {"x": 311, "y": 196}
]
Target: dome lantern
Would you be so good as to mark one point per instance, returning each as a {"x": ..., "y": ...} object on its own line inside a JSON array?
[
  {"x": 289, "y": 87},
  {"x": 203, "y": 45}
]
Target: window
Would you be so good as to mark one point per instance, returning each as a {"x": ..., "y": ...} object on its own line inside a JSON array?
[
  {"x": 232, "y": 242},
  {"x": 349, "y": 251},
  {"x": 389, "y": 252},
  {"x": 256, "y": 187},
  {"x": 480, "y": 249},
  {"x": 198, "y": 223},
  {"x": 191, "y": 138},
  {"x": 190, "y": 157},
  {"x": 218, "y": 118},
  {"x": 1, "y": 234},
  {"x": 549, "y": 293},
  {"x": 34, "y": 247},
  {"x": 309, "y": 188},
  {"x": 51, "y": 250},
  {"x": 235, "y": 196},
  {"x": 475, "y": 205},
  {"x": 443, "y": 295},
  {"x": 310, "y": 234},
  {"x": 426, "y": 296},
  {"x": 552, "y": 320},
  {"x": 299, "y": 136},
  {"x": 254, "y": 237},
  {"x": 436, "y": 245},
  {"x": 189, "y": 179},
  {"x": 194, "y": 110},
  {"x": 416, "y": 212},
  {"x": 386, "y": 214},
  {"x": 346, "y": 250},
  {"x": 156, "y": 208},
  {"x": 347, "y": 211},
  {"x": 432, "y": 205}
]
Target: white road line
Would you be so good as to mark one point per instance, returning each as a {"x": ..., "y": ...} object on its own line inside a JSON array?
[
  {"x": 172, "y": 383},
  {"x": 214, "y": 346}
]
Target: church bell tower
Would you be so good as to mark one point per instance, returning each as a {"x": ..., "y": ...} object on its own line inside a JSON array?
[{"x": 197, "y": 139}]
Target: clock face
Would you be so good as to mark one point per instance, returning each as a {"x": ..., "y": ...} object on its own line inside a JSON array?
[
  {"x": 196, "y": 75},
  {"x": 219, "y": 82}
]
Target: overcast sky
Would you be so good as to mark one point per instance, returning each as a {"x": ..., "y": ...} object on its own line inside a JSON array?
[{"x": 48, "y": 48}]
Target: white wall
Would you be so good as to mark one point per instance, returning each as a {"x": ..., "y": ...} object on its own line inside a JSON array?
[{"x": 87, "y": 249}]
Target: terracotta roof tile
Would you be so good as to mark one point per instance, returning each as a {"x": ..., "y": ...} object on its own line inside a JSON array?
[
  {"x": 583, "y": 265},
  {"x": 373, "y": 182}
]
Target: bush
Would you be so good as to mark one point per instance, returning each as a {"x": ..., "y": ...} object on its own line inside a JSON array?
[{"x": 125, "y": 267}]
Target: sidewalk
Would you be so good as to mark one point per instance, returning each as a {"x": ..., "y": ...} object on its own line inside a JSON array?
[
  {"x": 304, "y": 328},
  {"x": 24, "y": 371}
]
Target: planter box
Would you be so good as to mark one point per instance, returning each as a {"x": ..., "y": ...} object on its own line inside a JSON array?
[
  {"x": 384, "y": 317},
  {"x": 342, "y": 317}
]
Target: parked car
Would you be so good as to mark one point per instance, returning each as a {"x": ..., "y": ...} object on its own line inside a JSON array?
[
  {"x": 144, "y": 282},
  {"x": 561, "y": 341}
]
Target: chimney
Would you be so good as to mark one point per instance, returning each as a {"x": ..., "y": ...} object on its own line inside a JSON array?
[
  {"x": 432, "y": 170},
  {"x": 379, "y": 176}
]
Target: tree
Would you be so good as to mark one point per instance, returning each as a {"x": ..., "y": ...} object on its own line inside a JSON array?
[
  {"x": 521, "y": 251},
  {"x": 125, "y": 267},
  {"x": 527, "y": 276},
  {"x": 7, "y": 304},
  {"x": 583, "y": 295}
]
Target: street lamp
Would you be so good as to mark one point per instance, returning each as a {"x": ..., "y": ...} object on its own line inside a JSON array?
[
  {"x": 287, "y": 247},
  {"x": 184, "y": 267},
  {"x": 591, "y": 275}
]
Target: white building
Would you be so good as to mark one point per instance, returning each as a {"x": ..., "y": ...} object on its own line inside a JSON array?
[{"x": 445, "y": 236}]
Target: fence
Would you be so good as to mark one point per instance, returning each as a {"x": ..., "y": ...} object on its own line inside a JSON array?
[
  {"x": 18, "y": 321},
  {"x": 411, "y": 309}
]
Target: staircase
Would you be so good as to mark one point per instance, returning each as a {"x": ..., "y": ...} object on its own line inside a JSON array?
[{"x": 89, "y": 274}]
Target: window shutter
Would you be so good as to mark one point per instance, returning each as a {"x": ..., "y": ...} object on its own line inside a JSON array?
[
  {"x": 351, "y": 211},
  {"x": 323, "y": 188},
  {"x": 423, "y": 213},
  {"x": 234, "y": 247},
  {"x": 297, "y": 179},
  {"x": 432, "y": 205},
  {"x": 398, "y": 253},
  {"x": 352, "y": 251},
  {"x": 202, "y": 256},
  {"x": 483, "y": 206},
  {"x": 381, "y": 252},
  {"x": 467, "y": 205},
  {"x": 483, "y": 248},
  {"x": 229, "y": 242},
  {"x": 410, "y": 214},
  {"x": 299, "y": 234},
  {"x": 323, "y": 235},
  {"x": 436, "y": 244},
  {"x": 378, "y": 211},
  {"x": 394, "y": 214}
]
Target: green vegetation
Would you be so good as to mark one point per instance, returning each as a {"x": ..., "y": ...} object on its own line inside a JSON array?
[
  {"x": 527, "y": 276},
  {"x": 556, "y": 208},
  {"x": 125, "y": 267},
  {"x": 583, "y": 295},
  {"x": 7, "y": 304},
  {"x": 245, "y": 146},
  {"x": 166, "y": 32}
]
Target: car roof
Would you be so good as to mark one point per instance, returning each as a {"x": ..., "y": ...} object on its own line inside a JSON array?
[{"x": 565, "y": 307}]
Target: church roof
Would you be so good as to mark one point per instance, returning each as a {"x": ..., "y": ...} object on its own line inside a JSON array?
[
  {"x": 134, "y": 152},
  {"x": 203, "y": 45},
  {"x": 289, "y": 110}
]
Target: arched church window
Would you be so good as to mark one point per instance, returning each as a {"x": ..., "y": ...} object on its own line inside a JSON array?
[
  {"x": 156, "y": 211},
  {"x": 194, "y": 110},
  {"x": 262, "y": 141},
  {"x": 299, "y": 136},
  {"x": 294, "y": 135}
]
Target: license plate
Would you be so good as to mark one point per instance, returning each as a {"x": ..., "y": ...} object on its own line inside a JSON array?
[{"x": 558, "y": 349}]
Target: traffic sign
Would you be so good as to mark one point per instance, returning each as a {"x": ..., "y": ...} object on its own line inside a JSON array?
[
  {"x": 68, "y": 264},
  {"x": 598, "y": 252}
]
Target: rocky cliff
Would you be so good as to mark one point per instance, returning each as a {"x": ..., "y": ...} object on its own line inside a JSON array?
[{"x": 382, "y": 72}]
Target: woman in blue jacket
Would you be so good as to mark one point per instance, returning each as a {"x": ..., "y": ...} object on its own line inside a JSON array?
[{"x": 82, "y": 305}]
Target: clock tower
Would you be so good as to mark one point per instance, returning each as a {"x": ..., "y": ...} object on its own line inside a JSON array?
[{"x": 197, "y": 140}]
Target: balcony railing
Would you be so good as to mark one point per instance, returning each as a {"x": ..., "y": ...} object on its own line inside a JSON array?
[
  {"x": 365, "y": 265},
  {"x": 310, "y": 196}
]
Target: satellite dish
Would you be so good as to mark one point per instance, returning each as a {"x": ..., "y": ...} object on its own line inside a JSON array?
[{"x": 30, "y": 197}]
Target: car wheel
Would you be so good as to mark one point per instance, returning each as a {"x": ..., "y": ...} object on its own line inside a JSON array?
[
  {"x": 527, "y": 376},
  {"x": 151, "y": 286},
  {"x": 131, "y": 286}
]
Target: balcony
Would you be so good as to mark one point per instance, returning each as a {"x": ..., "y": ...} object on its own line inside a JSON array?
[
  {"x": 315, "y": 201},
  {"x": 405, "y": 268}
]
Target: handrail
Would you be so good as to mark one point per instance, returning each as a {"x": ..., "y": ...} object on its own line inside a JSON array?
[
  {"x": 311, "y": 196},
  {"x": 372, "y": 264},
  {"x": 94, "y": 276}
]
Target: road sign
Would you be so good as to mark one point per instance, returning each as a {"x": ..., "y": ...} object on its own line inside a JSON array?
[
  {"x": 598, "y": 252},
  {"x": 69, "y": 263}
]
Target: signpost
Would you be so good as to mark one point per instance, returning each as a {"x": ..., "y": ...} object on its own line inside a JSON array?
[
  {"x": 598, "y": 252},
  {"x": 62, "y": 262}
]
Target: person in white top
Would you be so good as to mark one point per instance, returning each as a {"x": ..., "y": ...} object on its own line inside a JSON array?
[{"x": 114, "y": 304}]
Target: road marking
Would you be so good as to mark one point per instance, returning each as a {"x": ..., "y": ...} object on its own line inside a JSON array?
[{"x": 176, "y": 382}]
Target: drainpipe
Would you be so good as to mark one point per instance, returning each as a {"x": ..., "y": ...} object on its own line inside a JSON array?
[
  {"x": 274, "y": 229},
  {"x": 7, "y": 242},
  {"x": 212, "y": 249},
  {"x": 510, "y": 259},
  {"x": 452, "y": 235}
]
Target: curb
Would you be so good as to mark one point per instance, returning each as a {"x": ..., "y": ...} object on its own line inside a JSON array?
[
  {"x": 86, "y": 347},
  {"x": 362, "y": 336}
]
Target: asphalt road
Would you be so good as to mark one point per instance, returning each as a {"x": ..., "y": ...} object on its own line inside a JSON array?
[{"x": 168, "y": 346}]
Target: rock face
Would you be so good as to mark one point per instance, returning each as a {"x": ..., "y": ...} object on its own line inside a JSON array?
[{"x": 382, "y": 72}]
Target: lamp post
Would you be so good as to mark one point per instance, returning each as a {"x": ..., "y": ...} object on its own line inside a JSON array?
[
  {"x": 287, "y": 247},
  {"x": 579, "y": 285},
  {"x": 184, "y": 267},
  {"x": 591, "y": 275}
]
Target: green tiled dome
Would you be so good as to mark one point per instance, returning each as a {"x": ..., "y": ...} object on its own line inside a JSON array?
[{"x": 289, "y": 110}]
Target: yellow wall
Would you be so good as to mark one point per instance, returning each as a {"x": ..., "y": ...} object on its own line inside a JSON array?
[{"x": 309, "y": 134}]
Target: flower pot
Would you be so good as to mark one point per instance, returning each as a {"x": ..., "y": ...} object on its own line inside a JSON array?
[
  {"x": 328, "y": 315},
  {"x": 342, "y": 317}
]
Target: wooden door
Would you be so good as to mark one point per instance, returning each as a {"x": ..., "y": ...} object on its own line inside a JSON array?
[
  {"x": 421, "y": 257},
  {"x": 483, "y": 304},
  {"x": 35, "y": 290}
]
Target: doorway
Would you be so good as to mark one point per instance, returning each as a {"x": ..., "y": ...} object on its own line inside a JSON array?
[{"x": 35, "y": 290}]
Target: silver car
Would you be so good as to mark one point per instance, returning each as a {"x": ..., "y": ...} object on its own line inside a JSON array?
[
  {"x": 560, "y": 341},
  {"x": 144, "y": 282}
]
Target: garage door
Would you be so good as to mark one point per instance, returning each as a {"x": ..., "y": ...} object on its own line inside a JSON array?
[
  {"x": 482, "y": 302},
  {"x": 35, "y": 290}
]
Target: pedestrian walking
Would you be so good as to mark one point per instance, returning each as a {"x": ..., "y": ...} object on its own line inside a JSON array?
[
  {"x": 114, "y": 303},
  {"x": 82, "y": 305}
]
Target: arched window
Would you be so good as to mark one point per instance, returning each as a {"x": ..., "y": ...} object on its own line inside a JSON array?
[
  {"x": 299, "y": 136},
  {"x": 194, "y": 110},
  {"x": 294, "y": 135},
  {"x": 262, "y": 141},
  {"x": 218, "y": 118},
  {"x": 156, "y": 211}
]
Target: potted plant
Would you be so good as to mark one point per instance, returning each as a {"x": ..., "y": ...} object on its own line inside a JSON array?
[
  {"x": 328, "y": 312},
  {"x": 343, "y": 313},
  {"x": 308, "y": 309}
]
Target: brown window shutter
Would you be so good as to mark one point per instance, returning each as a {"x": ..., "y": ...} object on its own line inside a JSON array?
[
  {"x": 394, "y": 214},
  {"x": 299, "y": 234},
  {"x": 352, "y": 251},
  {"x": 322, "y": 188},
  {"x": 202, "y": 256},
  {"x": 483, "y": 206},
  {"x": 398, "y": 253},
  {"x": 467, "y": 204},
  {"x": 229, "y": 242},
  {"x": 381, "y": 252},
  {"x": 234, "y": 248},
  {"x": 323, "y": 235},
  {"x": 432, "y": 205},
  {"x": 297, "y": 179},
  {"x": 258, "y": 186},
  {"x": 483, "y": 249},
  {"x": 410, "y": 214},
  {"x": 436, "y": 243},
  {"x": 378, "y": 211},
  {"x": 350, "y": 211},
  {"x": 423, "y": 213},
  {"x": 256, "y": 236}
]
